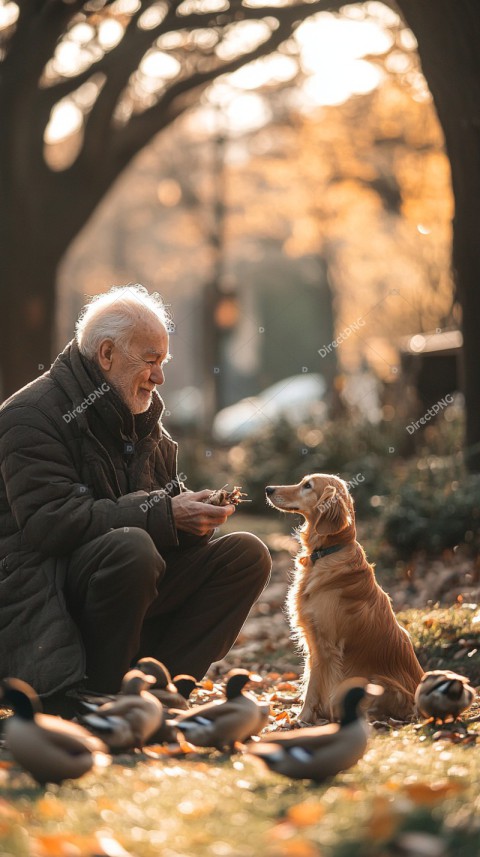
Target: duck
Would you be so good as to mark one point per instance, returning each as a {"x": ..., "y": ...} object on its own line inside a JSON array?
[
  {"x": 443, "y": 695},
  {"x": 172, "y": 694},
  {"x": 50, "y": 748},
  {"x": 319, "y": 752},
  {"x": 131, "y": 719},
  {"x": 222, "y": 723}
]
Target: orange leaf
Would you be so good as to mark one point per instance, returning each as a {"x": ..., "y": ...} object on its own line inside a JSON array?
[
  {"x": 426, "y": 794},
  {"x": 55, "y": 845},
  {"x": 297, "y": 848},
  {"x": 9, "y": 811},
  {"x": 384, "y": 819},
  {"x": 308, "y": 812},
  {"x": 50, "y": 807},
  {"x": 282, "y": 715},
  {"x": 289, "y": 676}
]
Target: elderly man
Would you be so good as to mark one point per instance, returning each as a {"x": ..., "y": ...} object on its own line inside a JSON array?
[{"x": 104, "y": 555}]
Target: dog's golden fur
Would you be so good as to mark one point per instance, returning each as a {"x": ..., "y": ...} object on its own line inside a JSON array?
[{"x": 340, "y": 615}]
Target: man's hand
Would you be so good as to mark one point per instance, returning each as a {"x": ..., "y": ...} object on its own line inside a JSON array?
[{"x": 197, "y": 517}]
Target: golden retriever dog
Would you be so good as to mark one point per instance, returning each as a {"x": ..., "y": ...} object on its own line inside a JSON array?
[{"x": 340, "y": 615}]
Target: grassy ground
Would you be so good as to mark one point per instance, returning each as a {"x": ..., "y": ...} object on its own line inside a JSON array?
[{"x": 410, "y": 795}]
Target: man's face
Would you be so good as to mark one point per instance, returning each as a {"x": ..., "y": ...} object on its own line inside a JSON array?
[{"x": 134, "y": 371}]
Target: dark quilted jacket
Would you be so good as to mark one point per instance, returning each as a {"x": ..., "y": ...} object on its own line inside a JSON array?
[{"x": 64, "y": 481}]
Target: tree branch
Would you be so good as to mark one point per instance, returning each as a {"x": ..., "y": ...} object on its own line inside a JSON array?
[{"x": 141, "y": 128}]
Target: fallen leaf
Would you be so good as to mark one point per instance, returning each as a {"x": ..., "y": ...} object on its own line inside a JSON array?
[
  {"x": 50, "y": 807},
  {"x": 384, "y": 819},
  {"x": 429, "y": 794},
  {"x": 55, "y": 845},
  {"x": 9, "y": 811},
  {"x": 283, "y": 715},
  {"x": 306, "y": 813},
  {"x": 297, "y": 848}
]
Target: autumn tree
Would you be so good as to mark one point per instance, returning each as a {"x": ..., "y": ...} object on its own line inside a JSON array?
[
  {"x": 100, "y": 55},
  {"x": 127, "y": 69}
]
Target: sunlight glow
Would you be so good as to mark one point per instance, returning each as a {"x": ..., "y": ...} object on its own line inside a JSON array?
[
  {"x": 325, "y": 39},
  {"x": 202, "y": 7},
  {"x": 272, "y": 69},
  {"x": 158, "y": 64},
  {"x": 8, "y": 15},
  {"x": 110, "y": 33},
  {"x": 355, "y": 78},
  {"x": 81, "y": 33},
  {"x": 153, "y": 16},
  {"x": 70, "y": 58},
  {"x": 331, "y": 53},
  {"x": 126, "y": 7},
  {"x": 65, "y": 119},
  {"x": 232, "y": 112},
  {"x": 246, "y": 113},
  {"x": 383, "y": 13},
  {"x": 256, "y": 3},
  {"x": 242, "y": 37}
]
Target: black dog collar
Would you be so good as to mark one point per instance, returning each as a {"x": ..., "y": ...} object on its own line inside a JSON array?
[{"x": 325, "y": 551}]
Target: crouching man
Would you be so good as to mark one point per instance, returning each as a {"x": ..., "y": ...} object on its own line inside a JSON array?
[{"x": 104, "y": 554}]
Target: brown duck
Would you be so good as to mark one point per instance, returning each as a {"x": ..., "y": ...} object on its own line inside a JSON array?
[
  {"x": 443, "y": 695},
  {"x": 49, "y": 748},
  {"x": 131, "y": 719},
  {"x": 172, "y": 694},
  {"x": 221, "y": 723},
  {"x": 320, "y": 752}
]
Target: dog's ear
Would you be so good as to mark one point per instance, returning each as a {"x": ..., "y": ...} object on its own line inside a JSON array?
[{"x": 335, "y": 512}]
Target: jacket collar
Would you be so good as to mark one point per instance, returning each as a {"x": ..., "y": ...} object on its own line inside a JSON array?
[{"x": 81, "y": 377}]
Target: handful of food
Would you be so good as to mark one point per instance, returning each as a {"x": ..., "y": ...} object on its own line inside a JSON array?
[{"x": 221, "y": 497}]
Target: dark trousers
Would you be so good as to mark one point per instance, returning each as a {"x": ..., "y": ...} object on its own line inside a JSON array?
[{"x": 185, "y": 608}]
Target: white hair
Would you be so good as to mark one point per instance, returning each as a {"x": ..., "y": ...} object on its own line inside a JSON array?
[{"x": 116, "y": 315}]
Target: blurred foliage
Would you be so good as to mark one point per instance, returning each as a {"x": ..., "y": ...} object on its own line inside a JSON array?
[
  {"x": 436, "y": 506},
  {"x": 424, "y": 503},
  {"x": 282, "y": 455}
]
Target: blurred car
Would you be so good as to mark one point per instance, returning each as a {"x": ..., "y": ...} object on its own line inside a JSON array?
[{"x": 295, "y": 399}]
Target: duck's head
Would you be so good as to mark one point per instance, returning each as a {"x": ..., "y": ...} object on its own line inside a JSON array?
[
  {"x": 236, "y": 681},
  {"x": 150, "y": 666},
  {"x": 354, "y": 693},
  {"x": 135, "y": 681},
  {"x": 19, "y": 696},
  {"x": 185, "y": 685}
]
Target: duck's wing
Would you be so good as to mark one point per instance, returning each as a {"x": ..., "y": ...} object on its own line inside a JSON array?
[
  {"x": 45, "y": 759},
  {"x": 71, "y": 737},
  {"x": 308, "y": 737},
  {"x": 115, "y": 731}
]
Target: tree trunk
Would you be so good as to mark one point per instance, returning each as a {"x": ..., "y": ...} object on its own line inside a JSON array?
[
  {"x": 27, "y": 320},
  {"x": 448, "y": 36}
]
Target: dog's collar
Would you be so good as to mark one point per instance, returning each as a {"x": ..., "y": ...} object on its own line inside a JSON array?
[{"x": 324, "y": 552}]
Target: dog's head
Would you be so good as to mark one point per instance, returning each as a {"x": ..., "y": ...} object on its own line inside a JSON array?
[{"x": 322, "y": 499}]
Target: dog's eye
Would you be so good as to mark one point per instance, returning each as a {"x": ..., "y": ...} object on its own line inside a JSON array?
[{"x": 307, "y": 484}]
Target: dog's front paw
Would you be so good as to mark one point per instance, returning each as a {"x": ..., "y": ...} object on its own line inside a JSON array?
[{"x": 312, "y": 716}]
